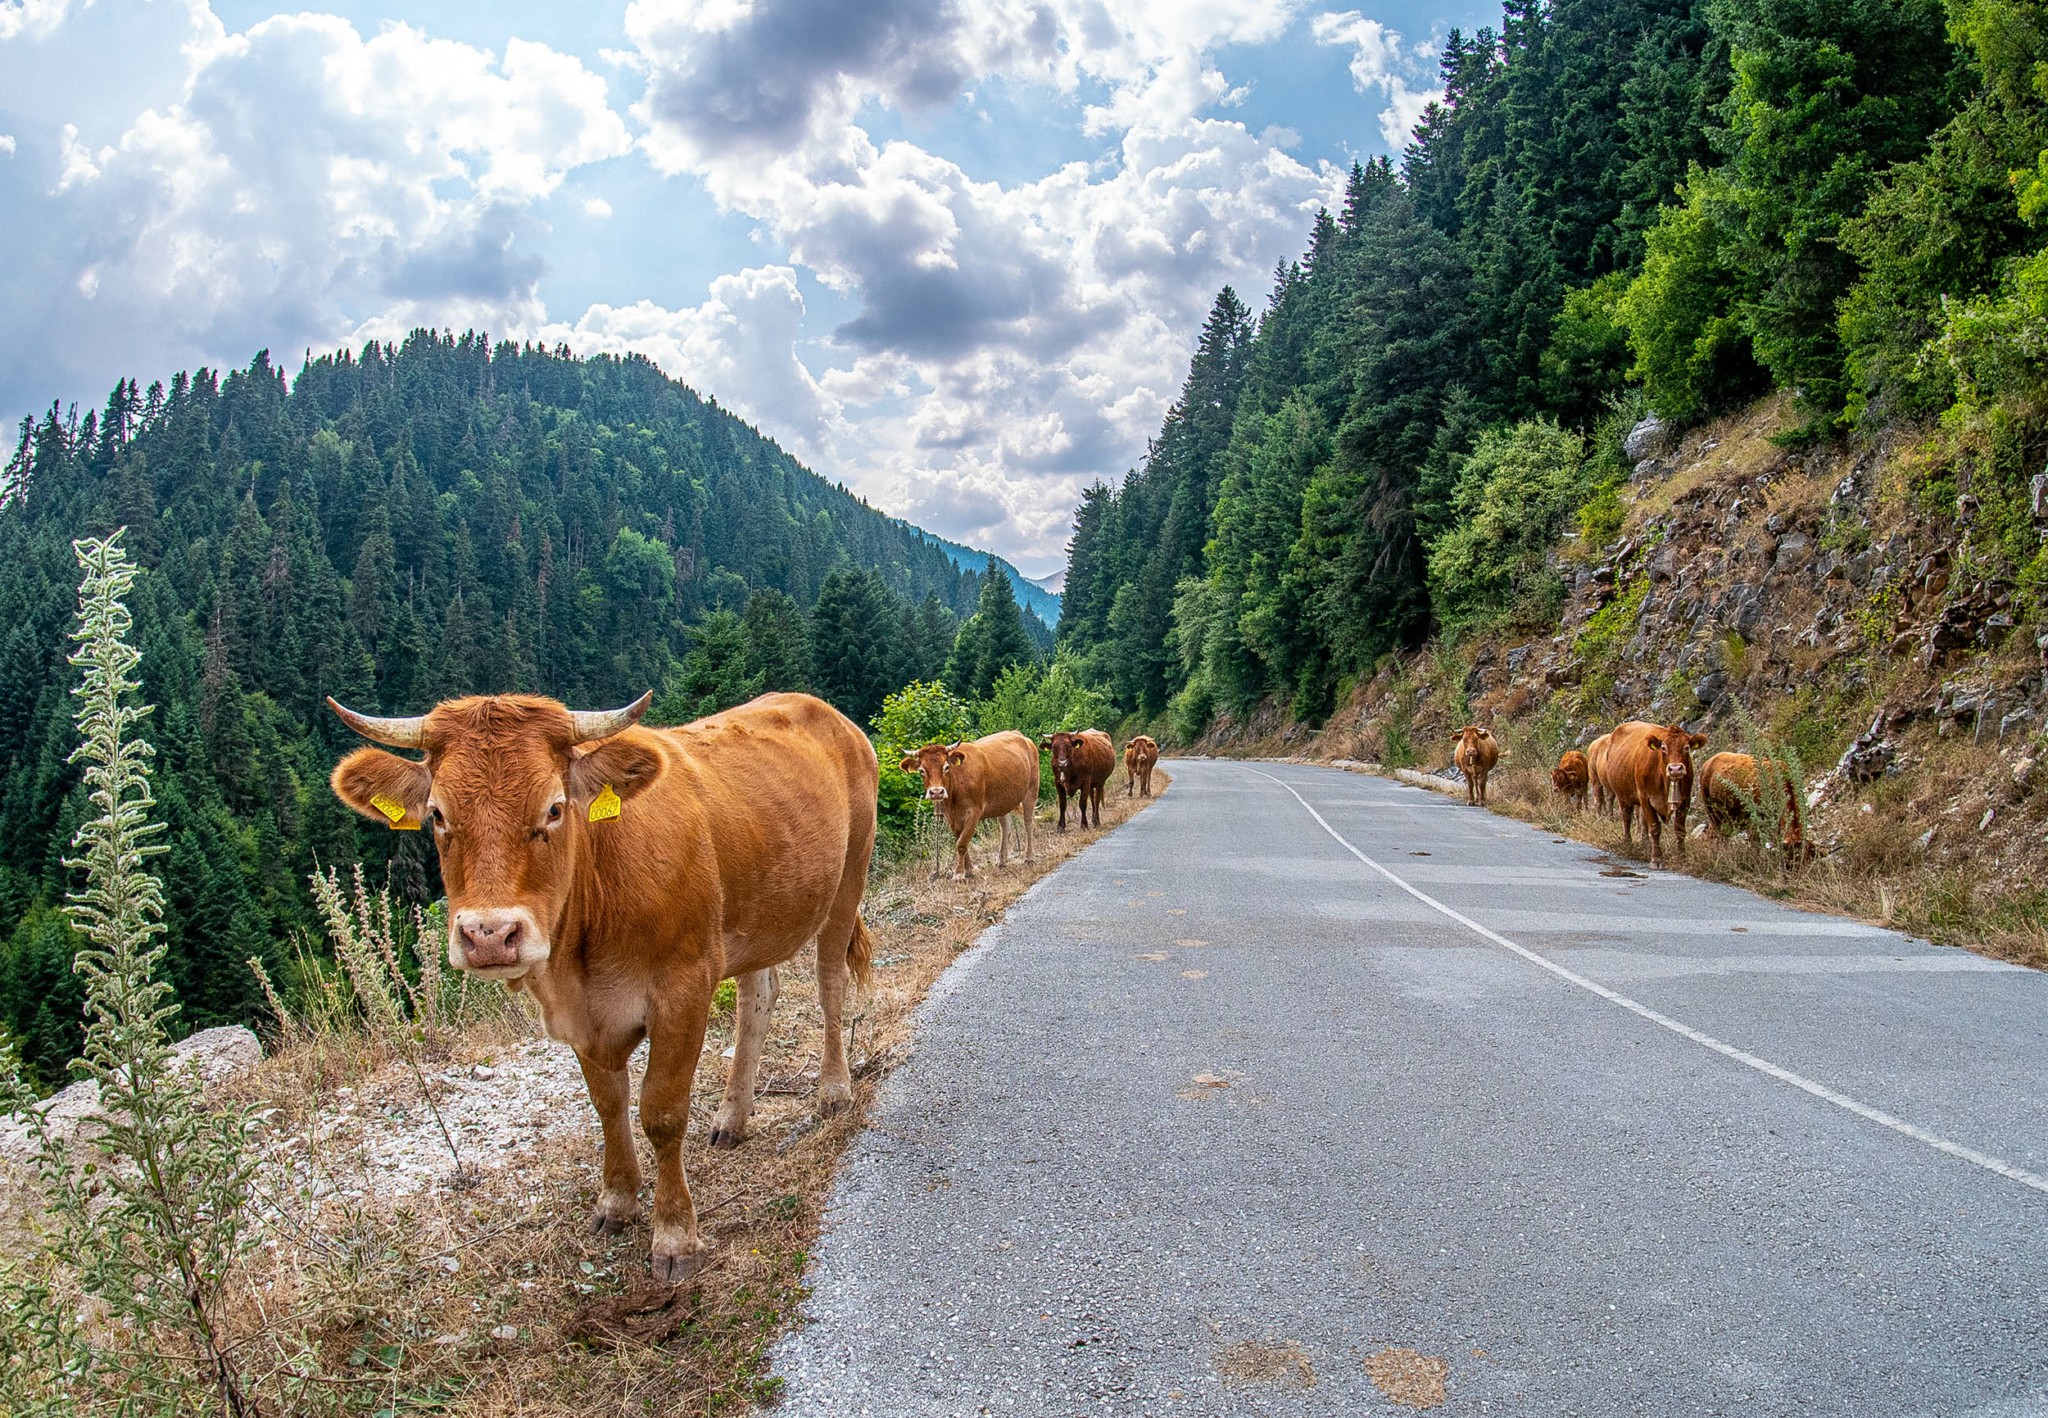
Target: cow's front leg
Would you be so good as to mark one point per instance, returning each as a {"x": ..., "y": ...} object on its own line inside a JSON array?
[
  {"x": 963, "y": 864},
  {"x": 675, "y": 1039},
  {"x": 1063, "y": 809},
  {"x": 753, "y": 999},
  {"x": 1002, "y": 839},
  {"x": 618, "y": 1199}
]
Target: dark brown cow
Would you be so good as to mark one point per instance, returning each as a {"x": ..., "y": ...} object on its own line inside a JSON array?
[
  {"x": 1570, "y": 778},
  {"x": 1081, "y": 764},
  {"x": 1649, "y": 768},
  {"x": 1141, "y": 754},
  {"x": 968, "y": 783},
  {"x": 1596, "y": 772},
  {"x": 1475, "y": 755},
  {"x": 1729, "y": 789},
  {"x": 617, "y": 873}
]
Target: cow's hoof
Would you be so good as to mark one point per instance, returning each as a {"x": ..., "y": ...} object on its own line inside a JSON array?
[
  {"x": 727, "y": 1136},
  {"x": 612, "y": 1217},
  {"x": 835, "y": 1096},
  {"x": 676, "y": 1267}
]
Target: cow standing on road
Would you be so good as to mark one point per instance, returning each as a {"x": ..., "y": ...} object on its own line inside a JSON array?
[
  {"x": 1649, "y": 768},
  {"x": 1081, "y": 764},
  {"x": 1596, "y": 772},
  {"x": 617, "y": 874},
  {"x": 1475, "y": 754},
  {"x": 1141, "y": 754},
  {"x": 969, "y": 783}
]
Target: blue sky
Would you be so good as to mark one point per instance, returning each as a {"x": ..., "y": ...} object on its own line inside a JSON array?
[{"x": 951, "y": 252}]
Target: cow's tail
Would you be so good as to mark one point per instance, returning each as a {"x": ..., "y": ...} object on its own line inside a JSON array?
[{"x": 860, "y": 952}]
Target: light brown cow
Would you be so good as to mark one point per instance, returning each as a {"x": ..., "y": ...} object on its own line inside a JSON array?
[
  {"x": 617, "y": 873},
  {"x": 969, "y": 783},
  {"x": 1649, "y": 768},
  {"x": 1141, "y": 754},
  {"x": 1475, "y": 755},
  {"x": 1081, "y": 764},
  {"x": 1729, "y": 791},
  {"x": 1570, "y": 778},
  {"x": 1596, "y": 772}
]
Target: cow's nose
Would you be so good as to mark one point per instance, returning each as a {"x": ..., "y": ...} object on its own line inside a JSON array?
[{"x": 489, "y": 937}]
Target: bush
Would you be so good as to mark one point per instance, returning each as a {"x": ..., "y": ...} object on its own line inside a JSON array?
[
  {"x": 1516, "y": 492},
  {"x": 1691, "y": 353}
]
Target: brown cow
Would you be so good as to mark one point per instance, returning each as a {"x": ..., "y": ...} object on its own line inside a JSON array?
[
  {"x": 1475, "y": 755},
  {"x": 969, "y": 783},
  {"x": 1729, "y": 791},
  {"x": 1596, "y": 771},
  {"x": 617, "y": 873},
  {"x": 1140, "y": 754},
  {"x": 1081, "y": 764},
  {"x": 1649, "y": 767},
  {"x": 1569, "y": 778}
]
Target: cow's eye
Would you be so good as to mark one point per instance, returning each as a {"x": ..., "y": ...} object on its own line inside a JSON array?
[
  {"x": 434, "y": 816},
  {"x": 554, "y": 813}
]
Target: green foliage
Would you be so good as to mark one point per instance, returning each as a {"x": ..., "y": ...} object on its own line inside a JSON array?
[
  {"x": 1037, "y": 700},
  {"x": 439, "y": 517},
  {"x": 993, "y": 640},
  {"x": 1600, "y": 641},
  {"x": 1692, "y": 353},
  {"x": 916, "y": 715},
  {"x": 1516, "y": 492},
  {"x": 149, "y": 1230}
]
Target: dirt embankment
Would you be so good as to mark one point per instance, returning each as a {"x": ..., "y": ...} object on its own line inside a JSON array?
[{"x": 1818, "y": 606}]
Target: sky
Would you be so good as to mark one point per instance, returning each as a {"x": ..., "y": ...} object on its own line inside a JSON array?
[{"x": 953, "y": 253}]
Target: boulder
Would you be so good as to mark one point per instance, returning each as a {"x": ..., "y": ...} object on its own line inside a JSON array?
[
  {"x": 1868, "y": 757},
  {"x": 215, "y": 1055},
  {"x": 1646, "y": 440}
]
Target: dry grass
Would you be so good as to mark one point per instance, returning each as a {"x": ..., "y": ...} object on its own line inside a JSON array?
[
  {"x": 1876, "y": 870},
  {"x": 484, "y": 1294}
]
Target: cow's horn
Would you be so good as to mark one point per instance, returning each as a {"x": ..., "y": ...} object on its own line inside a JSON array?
[
  {"x": 393, "y": 733},
  {"x": 603, "y": 723}
]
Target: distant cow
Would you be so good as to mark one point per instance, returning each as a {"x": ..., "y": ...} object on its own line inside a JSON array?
[
  {"x": 1475, "y": 755},
  {"x": 1569, "y": 778},
  {"x": 969, "y": 783},
  {"x": 1081, "y": 764},
  {"x": 1649, "y": 769},
  {"x": 1730, "y": 792},
  {"x": 1140, "y": 754},
  {"x": 1596, "y": 771},
  {"x": 616, "y": 874}
]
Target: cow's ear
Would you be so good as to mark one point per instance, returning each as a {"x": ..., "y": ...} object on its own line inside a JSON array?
[
  {"x": 909, "y": 763},
  {"x": 956, "y": 757},
  {"x": 624, "y": 767},
  {"x": 1045, "y": 742},
  {"x": 1655, "y": 741},
  {"x": 383, "y": 786},
  {"x": 1696, "y": 740}
]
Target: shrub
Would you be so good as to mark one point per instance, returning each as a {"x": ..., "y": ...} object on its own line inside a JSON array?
[{"x": 1516, "y": 492}]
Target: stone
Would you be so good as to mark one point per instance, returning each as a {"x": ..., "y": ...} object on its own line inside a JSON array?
[
  {"x": 1647, "y": 439},
  {"x": 1869, "y": 756},
  {"x": 216, "y": 1055},
  {"x": 2016, "y": 720},
  {"x": 2023, "y": 774},
  {"x": 1518, "y": 657},
  {"x": 2039, "y": 491},
  {"x": 219, "y": 1054},
  {"x": 1794, "y": 550},
  {"x": 1664, "y": 565},
  {"x": 1710, "y": 689}
]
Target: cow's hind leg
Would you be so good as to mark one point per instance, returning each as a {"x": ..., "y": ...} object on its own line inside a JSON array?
[
  {"x": 1002, "y": 839},
  {"x": 618, "y": 1199},
  {"x": 842, "y": 948},
  {"x": 753, "y": 999},
  {"x": 676, "y": 1039}
]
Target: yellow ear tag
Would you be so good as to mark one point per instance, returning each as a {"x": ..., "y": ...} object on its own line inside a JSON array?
[
  {"x": 396, "y": 812},
  {"x": 605, "y": 806}
]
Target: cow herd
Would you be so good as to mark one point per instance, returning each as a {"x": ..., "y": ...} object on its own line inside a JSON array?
[
  {"x": 615, "y": 874},
  {"x": 1647, "y": 769}
]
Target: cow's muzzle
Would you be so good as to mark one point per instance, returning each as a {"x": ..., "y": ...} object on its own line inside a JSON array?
[
  {"x": 498, "y": 943},
  {"x": 937, "y": 795}
]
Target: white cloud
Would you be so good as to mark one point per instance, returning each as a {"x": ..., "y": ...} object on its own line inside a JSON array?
[
  {"x": 1381, "y": 60},
  {"x": 6, "y": 145},
  {"x": 307, "y": 184},
  {"x": 597, "y": 209},
  {"x": 1022, "y": 340}
]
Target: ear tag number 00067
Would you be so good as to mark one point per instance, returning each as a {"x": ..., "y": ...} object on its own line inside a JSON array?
[{"x": 605, "y": 806}]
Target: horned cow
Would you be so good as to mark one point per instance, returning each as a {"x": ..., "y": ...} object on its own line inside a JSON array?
[
  {"x": 1141, "y": 755},
  {"x": 1081, "y": 764},
  {"x": 616, "y": 874},
  {"x": 1475, "y": 753},
  {"x": 1648, "y": 769},
  {"x": 969, "y": 783}
]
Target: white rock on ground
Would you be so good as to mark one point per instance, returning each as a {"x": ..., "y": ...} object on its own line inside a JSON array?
[{"x": 218, "y": 1055}]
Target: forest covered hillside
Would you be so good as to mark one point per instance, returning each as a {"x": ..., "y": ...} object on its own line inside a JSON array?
[
  {"x": 393, "y": 527},
  {"x": 1619, "y": 208}
]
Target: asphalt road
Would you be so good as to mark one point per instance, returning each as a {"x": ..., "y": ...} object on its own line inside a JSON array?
[{"x": 1223, "y": 1110}]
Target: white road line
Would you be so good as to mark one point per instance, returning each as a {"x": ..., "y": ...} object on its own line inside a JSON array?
[{"x": 1704, "y": 1040}]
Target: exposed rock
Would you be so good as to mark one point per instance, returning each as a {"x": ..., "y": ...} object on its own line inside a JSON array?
[
  {"x": 2023, "y": 774},
  {"x": 1868, "y": 757},
  {"x": 216, "y": 1055},
  {"x": 1646, "y": 440},
  {"x": 219, "y": 1054},
  {"x": 2016, "y": 720},
  {"x": 1710, "y": 689},
  {"x": 1664, "y": 565},
  {"x": 1518, "y": 657},
  {"x": 2039, "y": 504},
  {"x": 1794, "y": 550}
]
